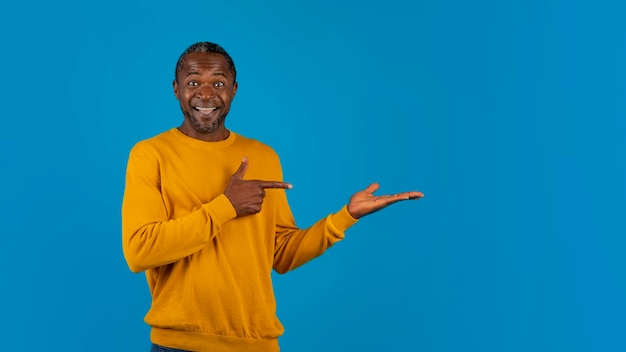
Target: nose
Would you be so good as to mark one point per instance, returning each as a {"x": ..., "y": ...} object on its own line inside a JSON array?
[{"x": 205, "y": 91}]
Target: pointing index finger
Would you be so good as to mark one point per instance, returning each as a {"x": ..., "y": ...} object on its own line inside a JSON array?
[{"x": 274, "y": 184}]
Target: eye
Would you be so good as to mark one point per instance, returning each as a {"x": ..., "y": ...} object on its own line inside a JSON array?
[
  {"x": 192, "y": 83},
  {"x": 218, "y": 84}
]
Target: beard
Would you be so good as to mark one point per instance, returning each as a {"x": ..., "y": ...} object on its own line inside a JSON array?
[{"x": 205, "y": 128}]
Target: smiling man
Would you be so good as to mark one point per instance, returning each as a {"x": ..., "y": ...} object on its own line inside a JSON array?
[{"x": 205, "y": 215}]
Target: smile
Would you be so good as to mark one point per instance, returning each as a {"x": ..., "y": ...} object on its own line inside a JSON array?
[{"x": 205, "y": 110}]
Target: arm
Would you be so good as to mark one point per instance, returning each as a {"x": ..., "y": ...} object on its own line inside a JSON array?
[
  {"x": 149, "y": 237},
  {"x": 295, "y": 247},
  {"x": 152, "y": 239}
]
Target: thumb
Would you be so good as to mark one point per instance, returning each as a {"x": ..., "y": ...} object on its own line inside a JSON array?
[
  {"x": 372, "y": 188},
  {"x": 242, "y": 168}
]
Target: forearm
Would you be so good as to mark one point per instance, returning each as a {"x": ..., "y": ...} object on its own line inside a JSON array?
[
  {"x": 150, "y": 242},
  {"x": 295, "y": 247}
]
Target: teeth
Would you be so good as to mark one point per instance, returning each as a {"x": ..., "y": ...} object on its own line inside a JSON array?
[{"x": 205, "y": 109}]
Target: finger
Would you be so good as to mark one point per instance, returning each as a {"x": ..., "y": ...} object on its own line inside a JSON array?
[
  {"x": 415, "y": 195},
  {"x": 405, "y": 195},
  {"x": 242, "y": 168},
  {"x": 409, "y": 195},
  {"x": 274, "y": 184},
  {"x": 393, "y": 198},
  {"x": 372, "y": 188},
  {"x": 383, "y": 201}
]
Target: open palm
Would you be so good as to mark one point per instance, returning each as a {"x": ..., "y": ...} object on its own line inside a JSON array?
[{"x": 365, "y": 202}]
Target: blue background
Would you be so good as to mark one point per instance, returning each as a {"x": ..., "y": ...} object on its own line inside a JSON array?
[{"x": 508, "y": 115}]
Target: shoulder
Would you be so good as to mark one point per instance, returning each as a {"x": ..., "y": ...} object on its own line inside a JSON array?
[
  {"x": 153, "y": 145},
  {"x": 256, "y": 146},
  {"x": 264, "y": 161}
]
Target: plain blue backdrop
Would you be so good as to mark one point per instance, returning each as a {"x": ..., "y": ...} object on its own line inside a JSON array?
[{"x": 508, "y": 115}]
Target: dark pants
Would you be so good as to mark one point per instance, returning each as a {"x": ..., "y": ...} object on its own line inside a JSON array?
[{"x": 158, "y": 348}]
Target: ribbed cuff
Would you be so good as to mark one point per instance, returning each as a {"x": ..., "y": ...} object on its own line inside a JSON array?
[
  {"x": 342, "y": 220},
  {"x": 221, "y": 209}
]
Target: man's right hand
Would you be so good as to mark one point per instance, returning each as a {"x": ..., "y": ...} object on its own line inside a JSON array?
[{"x": 246, "y": 196}]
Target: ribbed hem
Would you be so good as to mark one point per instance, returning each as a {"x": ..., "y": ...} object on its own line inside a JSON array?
[
  {"x": 342, "y": 220},
  {"x": 221, "y": 208},
  {"x": 201, "y": 342}
]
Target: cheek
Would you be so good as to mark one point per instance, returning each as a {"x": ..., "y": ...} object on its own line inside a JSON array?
[
  {"x": 227, "y": 98},
  {"x": 186, "y": 95}
]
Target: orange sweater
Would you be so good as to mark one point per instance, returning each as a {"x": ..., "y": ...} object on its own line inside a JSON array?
[{"x": 209, "y": 272}]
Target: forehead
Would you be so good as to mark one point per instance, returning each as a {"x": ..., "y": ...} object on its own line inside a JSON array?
[{"x": 204, "y": 63}]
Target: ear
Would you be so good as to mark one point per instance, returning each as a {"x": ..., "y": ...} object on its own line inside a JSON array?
[
  {"x": 175, "y": 85},
  {"x": 235, "y": 89}
]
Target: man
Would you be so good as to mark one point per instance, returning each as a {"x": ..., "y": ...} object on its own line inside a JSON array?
[{"x": 205, "y": 215}]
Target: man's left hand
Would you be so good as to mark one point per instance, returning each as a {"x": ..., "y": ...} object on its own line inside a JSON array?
[{"x": 365, "y": 202}]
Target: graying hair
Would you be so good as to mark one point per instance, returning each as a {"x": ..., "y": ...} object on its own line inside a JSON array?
[{"x": 205, "y": 47}]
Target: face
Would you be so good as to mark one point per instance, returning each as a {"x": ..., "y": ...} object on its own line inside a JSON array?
[{"x": 205, "y": 88}]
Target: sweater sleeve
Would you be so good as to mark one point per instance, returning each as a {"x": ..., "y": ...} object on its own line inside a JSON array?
[
  {"x": 149, "y": 237},
  {"x": 294, "y": 246}
]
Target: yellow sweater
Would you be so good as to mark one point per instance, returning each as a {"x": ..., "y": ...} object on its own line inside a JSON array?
[{"x": 209, "y": 272}]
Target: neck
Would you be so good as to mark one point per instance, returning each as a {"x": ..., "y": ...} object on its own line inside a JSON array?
[{"x": 218, "y": 135}]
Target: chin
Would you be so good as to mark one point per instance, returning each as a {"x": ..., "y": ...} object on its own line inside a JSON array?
[{"x": 207, "y": 128}]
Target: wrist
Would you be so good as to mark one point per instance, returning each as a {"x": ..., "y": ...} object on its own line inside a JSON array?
[{"x": 353, "y": 213}]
